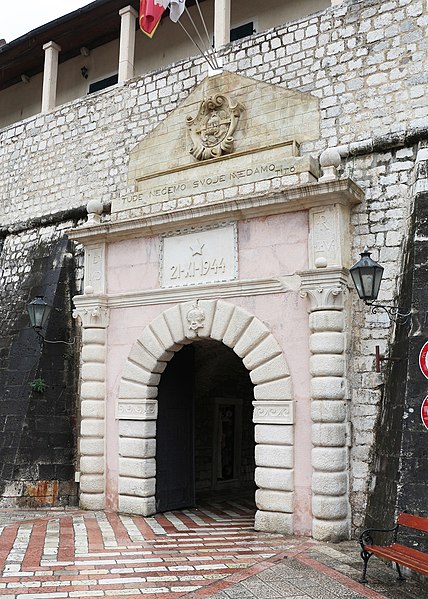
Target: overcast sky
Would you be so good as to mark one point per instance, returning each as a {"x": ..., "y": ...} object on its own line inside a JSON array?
[{"x": 17, "y": 18}]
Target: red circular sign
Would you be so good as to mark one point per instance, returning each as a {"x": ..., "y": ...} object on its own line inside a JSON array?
[
  {"x": 423, "y": 359},
  {"x": 424, "y": 412}
]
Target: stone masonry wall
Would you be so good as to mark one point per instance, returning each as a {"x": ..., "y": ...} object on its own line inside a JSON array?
[
  {"x": 400, "y": 464},
  {"x": 37, "y": 447},
  {"x": 366, "y": 62}
]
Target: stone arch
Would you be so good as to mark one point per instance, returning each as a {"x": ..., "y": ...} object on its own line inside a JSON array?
[{"x": 261, "y": 354}]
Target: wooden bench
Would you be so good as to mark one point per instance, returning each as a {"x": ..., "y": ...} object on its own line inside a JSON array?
[{"x": 395, "y": 552}]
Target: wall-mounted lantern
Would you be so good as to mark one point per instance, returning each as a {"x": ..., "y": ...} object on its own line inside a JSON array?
[
  {"x": 38, "y": 312},
  {"x": 367, "y": 276}
]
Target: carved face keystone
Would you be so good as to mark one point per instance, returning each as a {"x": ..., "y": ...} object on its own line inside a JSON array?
[{"x": 195, "y": 318}]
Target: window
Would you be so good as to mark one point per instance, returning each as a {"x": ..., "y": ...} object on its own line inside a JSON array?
[
  {"x": 102, "y": 84},
  {"x": 242, "y": 31}
]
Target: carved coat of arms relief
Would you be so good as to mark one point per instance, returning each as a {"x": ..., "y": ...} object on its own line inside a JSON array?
[{"x": 211, "y": 131}]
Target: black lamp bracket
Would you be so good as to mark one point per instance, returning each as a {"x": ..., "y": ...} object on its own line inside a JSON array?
[
  {"x": 395, "y": 313},
  {"x": 42, "y": 339}
]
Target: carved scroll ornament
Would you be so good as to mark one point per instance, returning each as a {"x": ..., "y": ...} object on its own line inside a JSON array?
[{"x": 211, "y": 131}]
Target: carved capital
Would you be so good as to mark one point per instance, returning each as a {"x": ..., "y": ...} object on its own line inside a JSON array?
[
  {"x": 137, "y": 410},
  {"x": 325, "y": 289},
  {"x": 91, "y": 314},
  {"x": 273, "y": 412}
]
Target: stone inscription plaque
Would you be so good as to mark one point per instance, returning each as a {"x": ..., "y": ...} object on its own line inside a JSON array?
[
  {"x": 206, "y": 256},
  {"x": 214, "y": 175},
  {"x": 94, "y": 268},
  {"x": 324, "y": 237}
]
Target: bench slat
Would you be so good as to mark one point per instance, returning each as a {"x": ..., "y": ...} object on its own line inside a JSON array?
[
  {"x": 416, "y": 522},
  {"x": 415, "y": 563},
  {"x": 410, "y": 552}
]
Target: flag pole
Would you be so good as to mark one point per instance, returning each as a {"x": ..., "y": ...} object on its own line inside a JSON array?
[
  {"x": 213, "y": 66},
  {"x": 216, "y": 66},
  {"x": 206, "y": 32}
]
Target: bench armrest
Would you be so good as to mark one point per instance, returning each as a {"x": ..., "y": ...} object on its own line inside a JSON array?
[{"x": 366, "y": 536}]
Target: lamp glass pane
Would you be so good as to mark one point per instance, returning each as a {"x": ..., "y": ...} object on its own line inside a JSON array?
[
  {"x": 377, "y": 280},
  {"x": 38, "y": 312},
  {"x": 355, "y": 274},
  {"x": 367, "y": 279}
]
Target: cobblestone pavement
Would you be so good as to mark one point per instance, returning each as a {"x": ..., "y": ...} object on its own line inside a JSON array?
[{"x": 210, "y": 551}]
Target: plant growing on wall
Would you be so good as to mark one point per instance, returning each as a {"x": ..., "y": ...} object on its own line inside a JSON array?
[{"x": 39, "y": 385}]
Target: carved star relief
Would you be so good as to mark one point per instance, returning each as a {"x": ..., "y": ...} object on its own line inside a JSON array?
[{"x": 197, "y": 250}]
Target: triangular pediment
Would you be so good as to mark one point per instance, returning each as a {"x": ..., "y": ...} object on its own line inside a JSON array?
[{"x": 268, "y": 116}]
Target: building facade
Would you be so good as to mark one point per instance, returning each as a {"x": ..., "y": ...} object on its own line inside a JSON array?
[{"x": 204, "y": 222}]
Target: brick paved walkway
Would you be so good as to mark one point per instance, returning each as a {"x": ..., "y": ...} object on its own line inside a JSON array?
[{"x": 211, "y": 551}]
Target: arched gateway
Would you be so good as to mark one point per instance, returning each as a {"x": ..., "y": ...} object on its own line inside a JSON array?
[
  {"x": 137, "y": 409},
  {"x": 241, "y": 246}
]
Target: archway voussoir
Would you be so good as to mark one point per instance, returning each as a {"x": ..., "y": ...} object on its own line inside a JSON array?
[
  {"x": 174, "y": 319},
  {"x": 145, "y": 359},
  {"x": 274, "y": 522},
  {"x": 222, "y": 317},
  {"x": 160, "y": 329},
  {"x": 129, "y": 390},
  {"x": 149, "y": 340},
  {"x": 136, "y": 374},
  {"x": 265, "y": 351},
  {"x": 143, "y": 506},
  {"x": 273, "y": 369},
  {"x": 209, "y": 308},
  {"x": 237, "y": 326},
  {"x": 275, "y": 390},
  {"x": 251, "y": 337}
]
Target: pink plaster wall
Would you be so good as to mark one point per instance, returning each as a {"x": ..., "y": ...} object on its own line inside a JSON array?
[
  {"x": 268, "y": 247},
  {"x": 273, "y": 245},
  {"x": 133, "y": 265}
]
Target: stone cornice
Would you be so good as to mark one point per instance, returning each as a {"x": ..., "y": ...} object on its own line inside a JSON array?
[
  {"x": 292, "y": 199},
  {"x": 239, "y": 288}
]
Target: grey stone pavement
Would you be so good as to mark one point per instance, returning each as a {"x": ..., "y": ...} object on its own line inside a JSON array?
[{"x": 326, "y": 571}]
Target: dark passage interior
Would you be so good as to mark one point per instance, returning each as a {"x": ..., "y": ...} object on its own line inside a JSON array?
[{"x": 205, "y": 434}]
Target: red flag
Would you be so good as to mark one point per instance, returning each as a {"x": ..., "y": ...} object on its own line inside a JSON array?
[{"x": 150, "y": 15}]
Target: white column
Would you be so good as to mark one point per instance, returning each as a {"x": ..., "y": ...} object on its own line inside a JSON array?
[
  {"x": 221, "y": 23},
  {"x": 50, "y": 76},
  {"x": 127, "y": 43}
]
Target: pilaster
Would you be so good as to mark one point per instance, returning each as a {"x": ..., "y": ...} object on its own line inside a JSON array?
[
  {"x": 92, "y": 312},
  {"x": 93, "y": 319},
  {"x": 326, "y": 290}
]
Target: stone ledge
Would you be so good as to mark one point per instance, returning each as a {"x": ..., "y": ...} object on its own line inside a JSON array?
[{"x": 287, "y": 199}]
